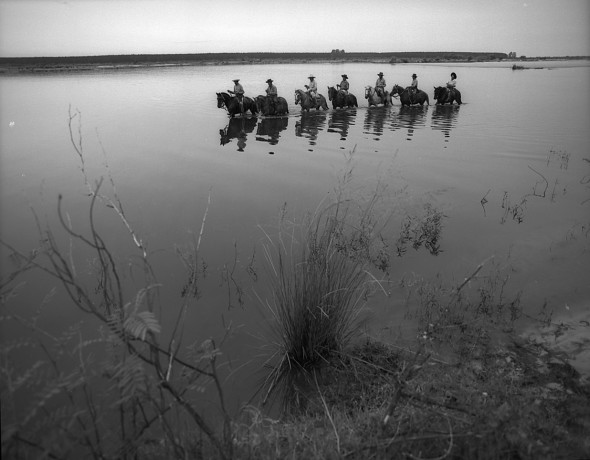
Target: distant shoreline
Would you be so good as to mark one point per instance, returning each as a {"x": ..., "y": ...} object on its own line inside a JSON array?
[{"x": 125, "y": 62}]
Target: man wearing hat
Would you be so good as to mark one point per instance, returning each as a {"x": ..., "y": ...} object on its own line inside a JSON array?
[
  {"x": 380, "y": 85},
  {"x": 239, "y": 93},
  {"x": 413, "y": 88},
  {"x": 344, "y": 85},
  {"x": 312, "y": 88},
  {"x": 271, "y": 93}
]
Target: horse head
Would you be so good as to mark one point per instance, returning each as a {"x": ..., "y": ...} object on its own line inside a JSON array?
[
  {"x": 220, "y": 100},
  {"x": 332, "y": 93},
  {"x": 397, "y": 90},
  {"x": 369, "y": 91},
  {"x": 298, "y": 96},
  {"x": 439, "y": 92}
]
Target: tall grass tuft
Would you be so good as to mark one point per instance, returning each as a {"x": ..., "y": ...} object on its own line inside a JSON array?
[{"x": 319, "y": 283}]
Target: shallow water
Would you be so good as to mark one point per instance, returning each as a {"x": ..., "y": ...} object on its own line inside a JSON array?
[{"x": 157, "y": 133}]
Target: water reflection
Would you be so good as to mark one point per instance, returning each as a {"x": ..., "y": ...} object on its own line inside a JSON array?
[
  {"x": 444, "y": 118},
  {"x": 310, "y": 124},
  {"x": 268, "y": 129},
  {"x": 238, "y": 128},
  {"x": 375, "y": 120},
  {"x": 340, "y": 121},
  {"x": 411, "y": 118}
]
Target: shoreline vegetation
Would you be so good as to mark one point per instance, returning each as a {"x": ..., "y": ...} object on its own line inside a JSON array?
[{"x": 116, "y": 62}]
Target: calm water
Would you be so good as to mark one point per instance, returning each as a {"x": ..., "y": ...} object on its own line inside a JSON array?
[{"x": 159, "y": 135}]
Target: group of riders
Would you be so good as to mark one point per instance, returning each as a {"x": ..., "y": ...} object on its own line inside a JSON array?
[
  {"x": 312, "y": 88},
  {"x": 380, "y": 85}
]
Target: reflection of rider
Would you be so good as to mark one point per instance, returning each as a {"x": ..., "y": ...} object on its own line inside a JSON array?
[
  {"x": 413, "y": 88},
  {"x": 271, "y": 93},
  {"x": 451, "y": 85},
  {"x": 239, "y": 93},
  {"x": 312, "y": 89},
  {"x": 380, "y": 85},
  {"x": 344, "y": 85}
]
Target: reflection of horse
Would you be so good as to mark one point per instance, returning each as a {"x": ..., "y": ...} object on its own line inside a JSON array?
[
  {"x": 238, "y": 128},
  {"x": 310, "y": 125},
  {"x": 340, "y": 120},
  {"x": 232, "y": 104},
  {"x": 375, "y": 119},
  {"x": 307, "y": 102},
  {"x": 339, "y": 99},
  {"x": 265, "y": 106},
  {"x": 374, "y": 99},
  {"x": 443, "y": 95},
  {"x": 412, "y": 118},
  {"x": 404, "y": 96},
  {"x": 444, "y": 118},
  {"x": 271, "y": 127}
]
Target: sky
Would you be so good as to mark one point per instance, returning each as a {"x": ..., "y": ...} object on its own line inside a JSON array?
[{"x": 99, "y": 27}]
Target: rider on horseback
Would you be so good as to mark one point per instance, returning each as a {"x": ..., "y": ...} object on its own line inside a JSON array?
[
  {"x": 380, "y": 85},
  {"x": 413, "y": 88},
  {"x": 312, "y": 90},
  {"x": 239, "y": 93},
  {"x": 344, "y": 85},
  {"x": 451, "y": 85},
  {"x": 271, "y": 93}
]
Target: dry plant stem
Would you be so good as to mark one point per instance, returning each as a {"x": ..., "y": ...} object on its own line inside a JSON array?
[
  {"x": 472, "y": 276},
  {"x": 328, "y": 413},
  {"x": 445, "y": 454},
  {"x": 407, "y": 374}
]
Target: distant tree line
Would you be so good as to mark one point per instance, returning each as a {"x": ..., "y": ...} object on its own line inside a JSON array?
[{"x": 220, "y": 57}]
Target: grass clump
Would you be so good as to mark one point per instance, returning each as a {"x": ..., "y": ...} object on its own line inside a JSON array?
[{"x": 319, "y": 283}]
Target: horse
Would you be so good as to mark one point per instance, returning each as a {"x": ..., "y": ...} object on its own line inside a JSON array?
[
  {"x": 264, "y": 106},
  {"x": 404, "y": 96},
  {"x": 339, "y": 99},
  {"x": 374, "y": 98},
  {"x": 232, "y": 105},
  {"x": 307, "y": 102},
  {"x": 443, "y": 95}
]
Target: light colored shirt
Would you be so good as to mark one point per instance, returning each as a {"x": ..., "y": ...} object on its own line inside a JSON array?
[
  {"x": 271, "y": 90},
  {"x": 344, "y": 85},
  {"x": 414, "y": 83},
  {"x": 313, "y": 87},
  {"x": 380, "y": 83},
  {"x": 238, "y": 89},
  {"x": 451, "y": 84}
]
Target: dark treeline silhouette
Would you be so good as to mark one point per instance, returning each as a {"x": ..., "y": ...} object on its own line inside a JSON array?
[{"x": 222, "y": 57}]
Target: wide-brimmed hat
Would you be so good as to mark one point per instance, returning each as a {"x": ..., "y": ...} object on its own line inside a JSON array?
[
  {"x": 311, "y": 76},
  {"x": 380, "y": 74},
  {"x": 269, "y": 80},
  {"x": 236, "y": 80},
  {"x": 414, "y": 75},
  {"x": 344, "y": 76}
]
